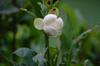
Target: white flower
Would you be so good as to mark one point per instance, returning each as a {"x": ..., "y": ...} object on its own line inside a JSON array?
[{"x": 51, "y": 24}]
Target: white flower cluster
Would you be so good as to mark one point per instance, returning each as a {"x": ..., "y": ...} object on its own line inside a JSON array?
[{"x": 51, "y": 24}]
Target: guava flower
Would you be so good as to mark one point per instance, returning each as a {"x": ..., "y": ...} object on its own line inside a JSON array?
[{"x": 51, "y": 24}]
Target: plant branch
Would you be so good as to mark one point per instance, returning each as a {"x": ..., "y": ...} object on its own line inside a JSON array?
[
  {"x": 75, "y": 41},
  {"x": 81, "y": 36},
  {"x": 28, "y": 12}
]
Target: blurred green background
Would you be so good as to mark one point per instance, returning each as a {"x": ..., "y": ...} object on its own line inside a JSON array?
[
  {"x": 90, "y": 9},
  {"x": 17, "y": 30}
]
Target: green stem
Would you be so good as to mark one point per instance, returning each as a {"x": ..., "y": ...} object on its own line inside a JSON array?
[
  {"x": 47, "y": 46},
  {"x": 70, "y": 55}
]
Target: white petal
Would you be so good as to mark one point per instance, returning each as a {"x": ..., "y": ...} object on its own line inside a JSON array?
[
  {"x": 50, "y": 30},
  {"x": 49, "y": 19},
  {"x": 59, "y": 23},
  {"x": 38, "y": 23}
]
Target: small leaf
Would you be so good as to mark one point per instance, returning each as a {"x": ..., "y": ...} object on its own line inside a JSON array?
[
  {"x": 87, "y": 62},
  {"x": 55, "y": 2},
  {"x": 23, "y": 52},
  {"x": 39, "y": 58}
]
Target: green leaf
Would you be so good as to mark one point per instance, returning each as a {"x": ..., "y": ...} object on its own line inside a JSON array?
[
  {"x": 87, "y": 62},
  {"x": 23, "y": 52},
  {"x": 39, "y": 58},
  {"x": 75, "y": 20},
  {"x": 36, "y": 7}
]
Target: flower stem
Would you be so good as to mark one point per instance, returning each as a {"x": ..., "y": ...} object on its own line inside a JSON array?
[{"x": 47, "y": 46}]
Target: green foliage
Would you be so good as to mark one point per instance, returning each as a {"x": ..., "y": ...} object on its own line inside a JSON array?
[{"x": 23, "y": 52}]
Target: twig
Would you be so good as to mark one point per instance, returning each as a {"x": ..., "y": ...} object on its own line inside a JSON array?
[
  {"x": 75, "y": 41},
  {"x": 29, "y": 12},
  {"x": 81, "y": 36}
]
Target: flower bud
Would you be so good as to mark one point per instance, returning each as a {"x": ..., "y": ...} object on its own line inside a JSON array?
[{"x": 51, "y": 25}]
